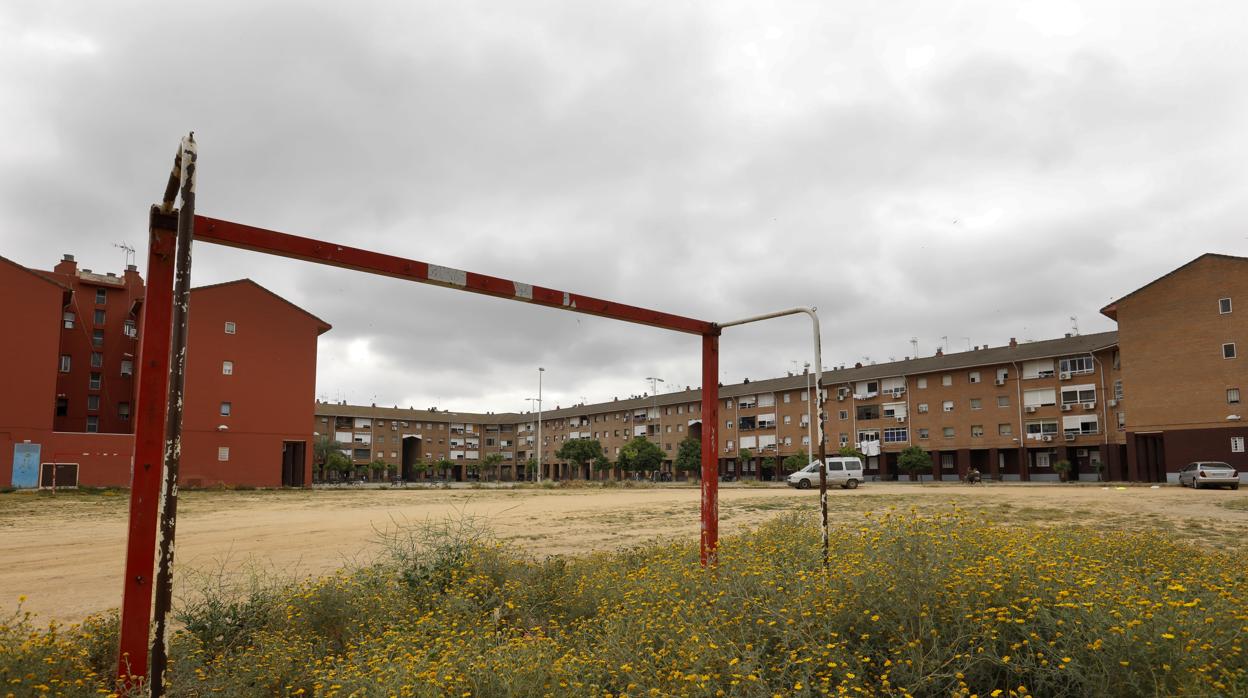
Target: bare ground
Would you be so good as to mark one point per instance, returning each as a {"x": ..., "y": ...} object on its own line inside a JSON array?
[{"x": 65, "y": 551}]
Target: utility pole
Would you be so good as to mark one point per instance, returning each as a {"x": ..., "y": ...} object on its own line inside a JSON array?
[
  {"x": 654, "y": 393},
  {"x": 540, "y": 371},
  {"x": 810, "y": 414}
]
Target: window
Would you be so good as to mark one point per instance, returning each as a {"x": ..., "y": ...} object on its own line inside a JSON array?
[
  {"x": 99, "y": 317},
  {"x": 1122, "y": 421},
  {"x": 1039, "y": 368},
  {"x": 977, "y": 431},
  {"x": 1228, "y": 350},
  {"x": 946, "y": 380},
  {"x": 130, "y": 329},
  {"x": 922, "y": 407},
  {"x": 1224, "y": 306},
  {"x": 1237, "y": 444},
  {"x": 806, "y": 440},
  {"x": 223, "y": 453},
  {"x": 227, "y": 368},
  {"x": 788, "y": 441},
  {"x": 867, "y": 435},
  {"x": 973, "y": 376},
  {"x": 1076, "y": 365},
  {"x": 123, "y": 411},
  {"x": 97, "y": 338},
  {"x": 1078, "y": 393},
  {"x": 1117, "y": 360},
  {"x": 841, "y": 414},
  {"x": 788, "y": 397},
  {"x": 948, "y": 405},
  {"x": 1046, "y": 427},
  {"x": 922, "y": 383},
  {"x": 1002, "y": 375},
  {"x": 805, "y": 397},
  {"x": 729, "y": 446},
  {"x": 788, "y": 419},
  {"x": 93, "y": 382},
  {"x": 1003, "y": 401},
  {"x": 127, "y": 367},
  {"x": 97, "y": 359},
  {"x": 1118, "y": 390},
  {"x": 230, "y": 327},
  {"x": 1005, "y": 429},
  {"x": 65, "y": 363},
  {"x": 62, "y": 407},
  {"x": 1040, "y": 397},
  {"x": 225, "y": 409},
  {"x": 93, "y": 403},
  {"x": 93, "y": 424},
  {"x": 895, "y": 435},
  {"x": 1232, "y": 396},
  {"x": 101, "y": 296},
  {"x": 727, "y": 423},
  {"x": 977, "y": 404},
  {"x": 868, "y": 412},
  {"x": 843, "y": 439},
  {"x": 923, "y": 433},
  {"x": 947, "y": 432},
  {"x": 68, "y": 319}
]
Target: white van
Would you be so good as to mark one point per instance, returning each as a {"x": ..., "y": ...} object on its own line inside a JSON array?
[{"x": 843, "y": 471}]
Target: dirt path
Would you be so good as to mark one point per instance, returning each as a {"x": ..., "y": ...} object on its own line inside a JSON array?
[{"x": 66, "y": 553}]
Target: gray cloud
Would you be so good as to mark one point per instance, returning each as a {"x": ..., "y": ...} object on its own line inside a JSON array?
[{"x": 984, "y": 173}]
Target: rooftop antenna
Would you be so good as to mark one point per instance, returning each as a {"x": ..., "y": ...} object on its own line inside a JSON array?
[
  {"x": 968, "y": 343},
  {"x": 914, "y": 347},
  {"x": 128, "y": 250},
  {"x": 1074, "y": 325},
  {"x": 944, "y": 342}
]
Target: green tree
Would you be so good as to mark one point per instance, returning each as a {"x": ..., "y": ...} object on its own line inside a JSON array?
[
  {"x": 580, "y": 452},
  {"x": 797, "y": 461},
  {"x": 322, "y": 446},
  {"x": 640, "y": 455},
  {"x": 852, "y": 452},
  {"x": 530, "y": 468},
  {"x": 418, "y": 467},
  {"x": 338, "y": 462},
  {"x": 492, "y": 462},
  {"x": 378, "y": 466},
  {"x": 769, "y": 463},
  {"x": 689, "y": 456},
  {"x": 443, "y": 466},
  {"x": 744, "y": 456},
  {"x": 914, "y": 460}
]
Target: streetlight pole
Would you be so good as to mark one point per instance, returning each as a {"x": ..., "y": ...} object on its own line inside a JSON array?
[
  {"x": 810, "y": 413},
  {"x": 540, "y": 371},
  {"x": 654, "y": 399}
]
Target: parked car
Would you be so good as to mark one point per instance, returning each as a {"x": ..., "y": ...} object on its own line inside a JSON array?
[
  {"x": 1208, "y": 474},
  {"x": 843, "y": 471}
]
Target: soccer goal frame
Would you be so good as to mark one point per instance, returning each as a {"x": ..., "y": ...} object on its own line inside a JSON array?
[{"x": 162, "y": 352}]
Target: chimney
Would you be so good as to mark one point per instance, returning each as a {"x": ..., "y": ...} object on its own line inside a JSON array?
[
  {"x": 1067, "y": 335},
  {"x": 67, "y": 265},
  {"x": 858, "y": 365},
  {"x": 1013, "y": 342},
  {"x": 940, "y": 351}
]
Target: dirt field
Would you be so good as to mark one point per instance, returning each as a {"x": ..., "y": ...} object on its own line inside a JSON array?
[{"x": 65, "y": 551}]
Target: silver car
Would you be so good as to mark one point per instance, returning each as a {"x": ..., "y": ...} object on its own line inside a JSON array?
[{"x": 1208, "y": 474}]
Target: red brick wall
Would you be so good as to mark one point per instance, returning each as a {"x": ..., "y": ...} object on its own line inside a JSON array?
[{"x": 32, "y": 308}]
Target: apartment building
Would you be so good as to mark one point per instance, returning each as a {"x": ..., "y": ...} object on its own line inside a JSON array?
[
  {"x": 1012, "y": 412},
  {"x": 1182, "y": 337},
  {"x": 250, "y": 381}
]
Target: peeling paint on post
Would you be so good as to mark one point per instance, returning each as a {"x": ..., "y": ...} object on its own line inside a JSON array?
[{"x": 173, "y": 428}]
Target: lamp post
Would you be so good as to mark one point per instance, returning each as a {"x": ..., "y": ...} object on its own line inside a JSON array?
[
  {"x": 654, "y": 398},
  {"x": 540, "y": 371}
]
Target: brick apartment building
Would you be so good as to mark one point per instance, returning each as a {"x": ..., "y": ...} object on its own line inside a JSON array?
[{"x": 69, "y": 384}]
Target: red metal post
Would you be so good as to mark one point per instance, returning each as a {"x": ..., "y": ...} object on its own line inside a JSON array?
[
  {"x": 710, "y": 447},
  {"x": 149, "y": 446},
  {"x": 285, "y": 245}
]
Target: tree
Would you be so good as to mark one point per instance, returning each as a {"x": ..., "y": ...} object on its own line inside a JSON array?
[
  {"x": 689, "y": 456},
  {"x": 914, "y": 460},
  {"x": 1063, "y": 468},
  {"x": 378, "y": 465},
  {"x": 744, "y": 456},
  {"x": 769, "y": 463},
  {"x": 322, "y": 446},
  {"x": 530, "y": 467},
  {"x": 852, "y": 452},
  {"x": 493, "y": 462},
  {"x": 443, "y": 466},
  {"x": 640, "y": 455},
  {"x": 602, "y": 463},
  {"x": 417, "y": 467},
  {"x": 338, "y": 462},
  {"x": 580, "y": 452},
  {"x": 797, "y": 461}
]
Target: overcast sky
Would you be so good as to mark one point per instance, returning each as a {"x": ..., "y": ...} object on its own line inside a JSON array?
[{"x": 969, "y": 170}]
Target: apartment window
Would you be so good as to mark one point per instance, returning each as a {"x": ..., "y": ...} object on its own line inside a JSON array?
[
  {"x": 804, "y": 395},
  {"x": 946, "y": 380},
  {"x": 788, "y": 397},
  {"x": 62, "y": 407},
  {"x": 230, "y": 327},
  {"x": 93, "y": 403},
  {"x": 93, "y": 424},
  {"x": 223, "y": 453},
  {"x": 977, "y": 431},
  {"x": 1005, "y": 429},
  {"x": 101, "y": 296},
  {"x": 1117, "y": 390},
  {"x": 922, "y": 383},
  {"x": 843, "y": 439},
  {"x": 680, "y": 409},
  {"x": 1117, "y": 360},
  {"x": 1003, "y": 401},
  {"x": 806, "y": 440},
  {"x": 895, "y": 435},
  {"x": 730, "y": 445},
  {"x": 977, "y": 404},
  {"x": 1078, "y": 393},
  {"x": 1076, "y": 365},
  {"x": 947, "y": 432},
  {"x": 1228, "y": 350},
  {"x": 123, "y": 411},
  {"x": 127, "y": 367},
  {"x": 973, "y": 376},
  {"x": 922, "y": 407},
  {"x": 99, "y": 317},
  {"x": 1232, "y": 396},
  {"x": 93, "y": 382},
  {"x": 225, "y": 409},
  {"x": 97, "y": 338},
  {"x": 868, "y": 412},
  {"x": 923, "y": 433},
  {"x": 1002, "y": 375},
  {"x": 948, "y": 405},
  {"x": 97, "y": 359},
  {"x": 68, "y": 319},
  {"x": 788, "y": 441},
  {"x": 130, "y": 329},
  {"x": 1224, "y": 306},
  {"x": 1237, "y": 444},
  {"x": 1122, "y": 421},
  {"x": 788, "y": 419},
  {"x": 65, "y": 363},
  {"x": 227, "y": 368}
]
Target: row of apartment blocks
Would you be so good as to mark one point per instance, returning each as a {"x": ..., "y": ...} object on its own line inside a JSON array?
[{"x": 1013, "y": 411}]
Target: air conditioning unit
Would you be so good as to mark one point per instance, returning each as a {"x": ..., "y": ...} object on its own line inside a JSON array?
[
  {"x": 1065, "y": 375},
  {"x": 1113, "y": 403},
  {"x": 901, "y": 420},
  {"x": 1070, "y": 437},
  {"x": 948, "y": 409},
  {"x": 1066, "y": 408},
  {"x": 1031, "y": 409},
  {"x": 1047, "y": 437},
  {"x": 1089, "y": 405}
]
